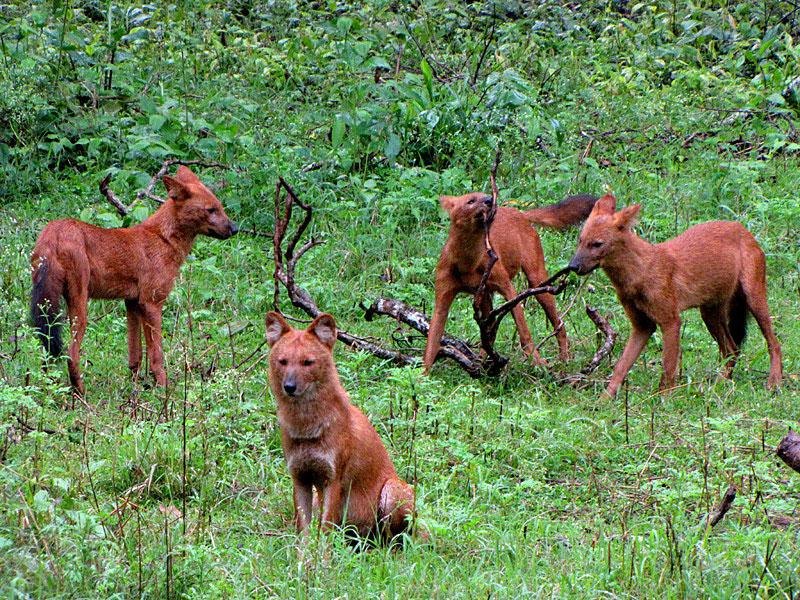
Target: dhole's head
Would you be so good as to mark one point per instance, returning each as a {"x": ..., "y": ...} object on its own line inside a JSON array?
[
  {"x": 197, "y": 209},
  {"x": 602, "y": 234},
  {"x": 467, "y": 211},
  {"x": 301, "y": 360}
]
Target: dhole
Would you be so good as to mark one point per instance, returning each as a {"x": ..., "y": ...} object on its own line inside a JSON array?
[
  {"x": 329, "y": 444},
  {"x": 463, "y": 260},
  {"x": 717, "y": 267},
  {"x": 139, "y": 264}
]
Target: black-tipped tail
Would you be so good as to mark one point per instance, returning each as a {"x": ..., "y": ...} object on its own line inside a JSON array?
[
  {"x": 570, "y": 211},
  {"x": 45, "y": 312}
]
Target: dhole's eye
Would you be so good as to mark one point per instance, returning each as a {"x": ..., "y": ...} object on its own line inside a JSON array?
[
  {"x": 283, "y": 362},
  {"x": 595, "y": 244},
  {"x": 472, "y": 201},
  {"x": 211, "y": 210},
  {"x": 308, "y": 362}
]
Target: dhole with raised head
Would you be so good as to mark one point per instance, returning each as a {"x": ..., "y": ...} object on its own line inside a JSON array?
[{"x": 463, "y": 261}]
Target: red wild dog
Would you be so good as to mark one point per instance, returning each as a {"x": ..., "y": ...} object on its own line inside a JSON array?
[
  {"x": 464, "y": 260},
  {"x": 717, "y": 267},
  {"x": 328, "y": 443},
  {"x": 139, "y": 264}
]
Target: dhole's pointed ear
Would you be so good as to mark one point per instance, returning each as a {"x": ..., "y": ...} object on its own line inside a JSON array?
[
  {"x": 324, "y": 328},
  {"x": 627, "y": 217},
  {"x": 448, "y": 203},
  {"x": 184, "y": 173},
  {"x": 175, "y": 189},
  {"x": 277, "y": 327},
  {"x": 606, "y": 205}
]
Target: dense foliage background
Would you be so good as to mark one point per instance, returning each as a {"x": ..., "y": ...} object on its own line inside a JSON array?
[{"x": 528, "y": 488}]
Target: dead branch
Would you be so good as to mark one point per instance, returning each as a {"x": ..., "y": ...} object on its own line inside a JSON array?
[
  {"x": 723, "y": 506},
  {"x": 495, "y": 362},
  {"x": 453, "y": 348},
  {"x": 286, "y": 262},
  {"x": 488, "y": 39},
  {"x": 147, "y": 192},
  {"x": 789, "y": 450},
  {"x": 608, "y": 344},
  {"x": 112, "y": 197}
]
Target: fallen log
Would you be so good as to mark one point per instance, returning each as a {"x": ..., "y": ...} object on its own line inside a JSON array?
[{"x": 789, "y": 450}]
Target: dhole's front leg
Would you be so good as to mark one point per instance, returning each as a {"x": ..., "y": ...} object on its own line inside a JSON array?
[
  {"x": 303, "y": 498},
  {"x": 332, "y": 512},
  {"x": 671, "y": 332},
  {"x": 445, "y": 293},
  {"x": 151, "y": 320},
  {"x": 134, "y": 318},
  {"x": 643, "y": 328}
]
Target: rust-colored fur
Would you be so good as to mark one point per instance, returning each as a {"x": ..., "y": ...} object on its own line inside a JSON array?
[
  {"x": 139, "y": 264},
  {"x": 463, "y": 260},
  {"x": 329, "y": 444},
  {"x": 717, "y": 267}
]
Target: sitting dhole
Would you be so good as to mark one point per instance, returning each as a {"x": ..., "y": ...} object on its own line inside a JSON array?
[
  {"x": 329, "y": 444},
  {"x": 717, "y": 267},
  {"x": 464, "y": 260},
  {"x": 139, "y": 264}
]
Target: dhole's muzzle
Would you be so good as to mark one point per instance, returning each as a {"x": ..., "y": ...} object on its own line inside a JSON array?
[
  {"x": 582, "y": 265},
  {"x": 230, "y": 228}
]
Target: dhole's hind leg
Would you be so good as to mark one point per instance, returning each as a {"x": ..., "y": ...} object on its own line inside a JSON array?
[
  {"x": 716, "y": 320},
  {"x": 754, "y": 287},
  {"x": 77, "y": 303},
  {"x": 134, "y": 318},
  {"x": 507, "y": 289},
  {"x": 536, "y": 274},
  {"x": 395, "y": 507}
]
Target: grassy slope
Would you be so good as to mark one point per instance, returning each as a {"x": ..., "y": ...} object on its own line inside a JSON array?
[{"x": 528, "y": 488}]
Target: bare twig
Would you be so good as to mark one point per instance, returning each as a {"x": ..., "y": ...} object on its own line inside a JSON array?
[
  {"x": 147, "y": 192},
  {"x": 608, "y": 344},
  {"x": 488, "y": 42},
  {"x": 723, "y": 506},
  {"x": 495, "y": 362},
  {"x": 284, "y": 273}
]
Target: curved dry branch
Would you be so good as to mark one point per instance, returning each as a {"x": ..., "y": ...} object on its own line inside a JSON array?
[{"x": 286, "y": 262}]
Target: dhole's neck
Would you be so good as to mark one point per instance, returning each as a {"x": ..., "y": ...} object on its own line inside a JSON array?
[
  {"x": 627, "y": 265},
  {"x": 168, "y": 228},
  {"x": 468, "y": 241}
]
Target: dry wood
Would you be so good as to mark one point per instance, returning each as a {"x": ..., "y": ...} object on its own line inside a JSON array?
[
  {"x": 147, "y": 192},
  {"x": 453, "y": 348},
  {"x": 789, "y": 450},
  {"x": 286, "y": 262},
  {"x": 723, "y": 506},
  {"x": 494, "y": 361},
  {"x": 608, "y": 343}
]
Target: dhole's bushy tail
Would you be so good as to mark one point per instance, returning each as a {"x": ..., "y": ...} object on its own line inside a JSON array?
[
  {"x": 45, "y": 300},
  {"x": 570, "y": 211}
]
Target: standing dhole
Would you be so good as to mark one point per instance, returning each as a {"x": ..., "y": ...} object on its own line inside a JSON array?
[
  {"x": 139, "y": 264},
  {"x": 329, "y": 444},
  {"x": 464, "y": 260},
  {"x": 717, "y": 267}
]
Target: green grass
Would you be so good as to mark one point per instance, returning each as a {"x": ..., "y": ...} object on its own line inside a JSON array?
[{"x": 528, "y": 488}]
